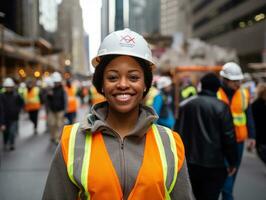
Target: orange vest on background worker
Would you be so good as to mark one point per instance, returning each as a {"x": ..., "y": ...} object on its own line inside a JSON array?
[
  {"x": 98, "y": 178},
  {"x": 72, "y": 103},
  {"x": 32, "y": 99},
  {"x": 95, "y": 97},
  {"x": 238, "y": 106}
]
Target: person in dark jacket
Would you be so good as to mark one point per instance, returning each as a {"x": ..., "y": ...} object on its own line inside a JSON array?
[
  {"x": 57, "y": 100},
  {"x": 206, "y": 127},
  {"x": 259, "y": 114},
  {"x": 12, "y": 103}
]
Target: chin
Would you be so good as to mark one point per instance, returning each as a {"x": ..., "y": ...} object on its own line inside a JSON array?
[{"x": 123, "y": 109}]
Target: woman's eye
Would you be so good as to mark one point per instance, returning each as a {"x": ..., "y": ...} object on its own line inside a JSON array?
[
  {"x": 134, "y": 77},
  {"x": 111, "y": 77}
]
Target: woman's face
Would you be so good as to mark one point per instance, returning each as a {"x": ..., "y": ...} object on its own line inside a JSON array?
[{"x": 123, "y": 84}]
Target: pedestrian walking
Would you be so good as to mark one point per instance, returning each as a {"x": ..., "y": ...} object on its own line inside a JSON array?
[
  {"x": 57, "y": 100},
  {"x": 259, "y": 113},
  {"x": 72, "y": 102},
  {"x": 47, "y": 88},
  {"x": 206, "y": 127},
  {"x": 238, "y": 100},
  {"x": 118, "y": 152},
  {"x": 11, "y": 103},
  {"x": 32, "y": 99},
  {"x": 163, "y": 102}
]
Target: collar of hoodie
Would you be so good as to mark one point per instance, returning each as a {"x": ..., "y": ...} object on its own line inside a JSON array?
[{"x": 95, "y": 120}]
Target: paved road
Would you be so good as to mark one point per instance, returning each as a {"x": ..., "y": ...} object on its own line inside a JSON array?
[{"x": 23, "y": 172}]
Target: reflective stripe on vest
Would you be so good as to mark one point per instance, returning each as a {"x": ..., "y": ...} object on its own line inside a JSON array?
[
  {"x": 188, "y": 91},
  {"x": 238, "y": 106},
  {"x": 240, "y": 119},
  {"x": 82, "y": 181}
]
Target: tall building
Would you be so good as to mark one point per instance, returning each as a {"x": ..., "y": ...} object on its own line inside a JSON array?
[
  {"x": 21, "y": 17},
  {"x": 144, "y": 16},
  {"x": 175, "y": 17},
  {"x": 238, "y": 24},
  {"x": 119, "y": 14},
  {"x": 105, "y": 18},
  {"x": 70, "y": 36}
]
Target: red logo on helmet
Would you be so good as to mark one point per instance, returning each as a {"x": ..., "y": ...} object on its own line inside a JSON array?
[{"x": 127, "y": 41}]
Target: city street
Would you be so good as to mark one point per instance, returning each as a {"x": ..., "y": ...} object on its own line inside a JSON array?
[{"x": 23, "y": 172}]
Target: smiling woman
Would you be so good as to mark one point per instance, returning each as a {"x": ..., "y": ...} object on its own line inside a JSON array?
[{"x": 119, "y": 152}]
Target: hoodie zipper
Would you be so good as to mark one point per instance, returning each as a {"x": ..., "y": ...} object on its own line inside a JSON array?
[{"x": 122, "y": 164}]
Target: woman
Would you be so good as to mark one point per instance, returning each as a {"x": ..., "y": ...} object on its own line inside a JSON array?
[{"x": 118, "y": 152}]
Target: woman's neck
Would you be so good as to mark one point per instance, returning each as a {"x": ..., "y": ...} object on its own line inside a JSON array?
[{"x": 122, "y": 123}]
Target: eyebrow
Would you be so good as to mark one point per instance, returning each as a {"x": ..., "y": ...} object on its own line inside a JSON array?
[{"x": 130, "y": 71}]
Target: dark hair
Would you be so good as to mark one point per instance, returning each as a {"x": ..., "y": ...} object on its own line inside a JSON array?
[
  {"x": 210, "y": 82},
  {"x": 97, "y": 79}
]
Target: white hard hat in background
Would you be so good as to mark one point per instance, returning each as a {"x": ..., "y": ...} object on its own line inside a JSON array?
[
  {"x": 164, "y": 82},
  {"x": 22, "y": 85},
  {"x": 232, "y": 71},
  {"x": 56, "y": 77},
  {"x": 8, "y": 82},
  {"x": 124, "y": 42},
  {"x": 48, "y": 81}
]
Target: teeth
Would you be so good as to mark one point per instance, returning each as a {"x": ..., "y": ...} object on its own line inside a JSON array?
[{"x": 123, "y": 97}]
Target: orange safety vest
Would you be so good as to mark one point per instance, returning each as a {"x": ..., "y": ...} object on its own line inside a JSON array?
[
  {"x": 95, "y": 96},
  {"x": 72, "y": 103},
  {"x": 238, "y": 106},
  {"x": 98, "y": 179},
  {"x": 32, "y": 99}
]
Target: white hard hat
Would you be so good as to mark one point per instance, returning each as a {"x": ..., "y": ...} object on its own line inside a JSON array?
[
  {"x": 22, "y": 85},
  {"x": 124, "y": 42},
  {"x": 56, "y": 77},
  {"x": 164, "y": 82},
  {"x": 48, "y": 81},
  {"x": 232, "y": 71},
  {"x": 8, "y": 82}
]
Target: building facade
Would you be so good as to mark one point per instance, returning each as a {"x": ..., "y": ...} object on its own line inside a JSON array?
[
  {"x": 71, "y": 37},
  {"x": 175, "y": 17},
  {"x": 238, "y": 24}
]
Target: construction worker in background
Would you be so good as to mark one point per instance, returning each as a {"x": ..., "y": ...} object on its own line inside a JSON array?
[
  {"x": 238, "y": 99},
  {"x": 47, "y": 87},
  {"x": 163, "y": 102},
  {"x": 95, "y": 97},
  {"x": 21, "y": 89},
  {"x": 87, "y": 164},
  {"x": 187, "y": 89},
  {"x": 72, "y": 102},
  {"x": 57, "y": 100},
  {"x": 207, "y": 130},
  {"x": 259, "y": 113},
  {"x": 11, "y": 103},
  {"x": 32, "y": 99}
]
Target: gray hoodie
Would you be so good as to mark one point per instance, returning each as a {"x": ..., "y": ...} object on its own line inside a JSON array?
[{"x": 126, "y": 160}]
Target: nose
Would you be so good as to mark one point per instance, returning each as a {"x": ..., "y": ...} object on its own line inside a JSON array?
[{"x": 123, "y": 83}]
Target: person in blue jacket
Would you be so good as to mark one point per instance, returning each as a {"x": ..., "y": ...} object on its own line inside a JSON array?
[{"x": 163, "y": 102}]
